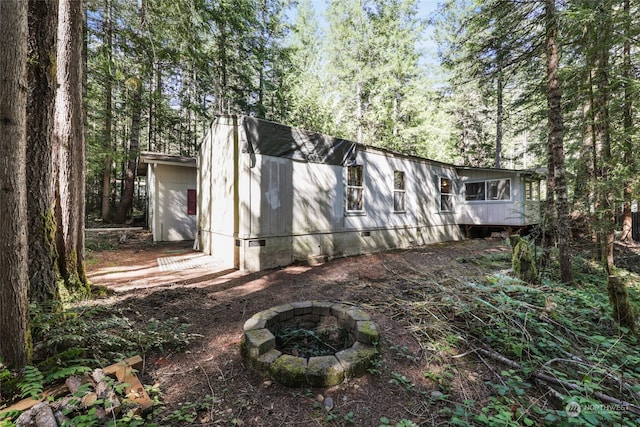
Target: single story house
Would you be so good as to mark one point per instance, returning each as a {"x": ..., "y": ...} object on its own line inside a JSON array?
[
  {"x": 270, "y": 194},
  {"x": 171, "y": 195}
]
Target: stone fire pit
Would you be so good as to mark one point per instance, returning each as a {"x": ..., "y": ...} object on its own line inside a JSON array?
[{"x": 350, "y": 334}]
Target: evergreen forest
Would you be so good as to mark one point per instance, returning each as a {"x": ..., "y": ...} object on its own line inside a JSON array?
[{"x": 546, "y": 85}]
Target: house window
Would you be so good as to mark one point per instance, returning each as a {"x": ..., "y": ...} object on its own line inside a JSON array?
[
  {"x": 499, "y": 189},
  {"x": 531, "y": 190},
  {"x": 474, "y": 191},
  {"x": 446, "y": 195},
  {"x": 398, "y": 191},
  {"x": 192, "y": 202},
  {"x": 355, "y": 188}
]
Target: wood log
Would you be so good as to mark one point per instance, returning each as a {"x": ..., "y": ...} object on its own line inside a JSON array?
[
  {"x": 125, "y": 373},
  {"x": 117, "y": 369},
  {"x": 111, "y": 401},
  {"x": 97, "y": 375},
  {"x": 134, "y": 362},
  {"x": 44, "y": 415},
  {"x": 28, "y": 403},
  {"x": 88, "y": 399}
]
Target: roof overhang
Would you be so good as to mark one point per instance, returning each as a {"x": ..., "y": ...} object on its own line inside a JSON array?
[
  {"x": 537, "y": 174},
  {"x": 151, "y": 158}
]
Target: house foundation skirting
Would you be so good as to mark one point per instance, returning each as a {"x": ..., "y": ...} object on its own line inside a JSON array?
[{"x": 261, "y": 252}]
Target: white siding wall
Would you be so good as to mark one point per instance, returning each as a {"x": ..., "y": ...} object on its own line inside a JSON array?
[
  {"x": 169, "y": 185},
  {"x": 217, "y": 217},
  {"x": 496, "y": 212},
  {"x": 296, "y": 211},
  {"x": 151, "y": 201}
]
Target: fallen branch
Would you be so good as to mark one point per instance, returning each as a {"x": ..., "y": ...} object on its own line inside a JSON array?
[
  {"x": 553, "y": 380},
  {"x": 576, "y": 360}
]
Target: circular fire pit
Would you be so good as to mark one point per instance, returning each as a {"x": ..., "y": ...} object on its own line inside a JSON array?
[{"x": 313, "y": 343}]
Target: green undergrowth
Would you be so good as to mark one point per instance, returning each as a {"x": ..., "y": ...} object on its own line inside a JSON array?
[
  {"x": 556, "y": 355},
  {"x": 77, "y": 340},
  {"x": 566, "y": 334},
  {"x": 497, "y": 351}
]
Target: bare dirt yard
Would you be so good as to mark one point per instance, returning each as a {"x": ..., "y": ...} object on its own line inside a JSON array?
[
  {"x": 208, "y": 383},
  {"x": 420, "y": 371}
]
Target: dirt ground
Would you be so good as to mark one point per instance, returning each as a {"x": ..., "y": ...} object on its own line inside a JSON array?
[{"x": 217, "y": 303}]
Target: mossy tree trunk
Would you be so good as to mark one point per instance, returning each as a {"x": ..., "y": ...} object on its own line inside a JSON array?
[
  {"x": 69, "y": 150},
  {"x": 41, "y": 67},
  {"x": 606, "y": 187},
  {"x": 523, "y": 260},
  {"x": 623, "y": 312}
]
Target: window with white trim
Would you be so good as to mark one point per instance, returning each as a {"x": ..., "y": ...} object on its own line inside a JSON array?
[
  {"x": 399, "y": 192},
  {"x": 446, "y": 195},
  {"x": 495, "y": 189},
  {"x": 355, "y": 188}
]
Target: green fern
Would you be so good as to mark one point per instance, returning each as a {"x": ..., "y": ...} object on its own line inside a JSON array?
[
  {"x": 66, "y": 372},
  {"x": 7, "y": 417},
  {"x": 32, "y": 382}
]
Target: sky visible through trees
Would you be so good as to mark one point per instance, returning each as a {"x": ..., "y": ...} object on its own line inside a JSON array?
[{"x": 427, "y": 10}]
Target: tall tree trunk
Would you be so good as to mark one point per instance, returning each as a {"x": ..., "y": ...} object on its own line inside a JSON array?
[
  {"x": 359, "y": 113},
  {"x": 583, "y": 183},
  {"x": 69, "y": 150},
  {"x": 108, "y": 116},
  {"x": 222, "y": 101},
  {"x": 43, "y": 27},
  {"x": 499, "y": 112},
  {"x": 126, "y": 198},
  {"x": 627, "y": 123},
  {"x": 550, "y": 234},
  {"x": 593, "y": 144},
  {"x": 15, "y": 343},
  {"x": 555, "y": 141},
  {"x": 602, "y": 137}
]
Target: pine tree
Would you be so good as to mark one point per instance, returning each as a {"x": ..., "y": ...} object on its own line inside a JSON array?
[
  {"x": 304, "y": 85},
  {"x": 14, "y": 270},
  {"x": 555, "y": 142},
  {"x": 43, "y": 27},
  {"x": 69, "y": 149}
]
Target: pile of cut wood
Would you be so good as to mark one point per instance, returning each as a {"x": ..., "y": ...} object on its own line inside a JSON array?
[{"x": 108, "y": 392}]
